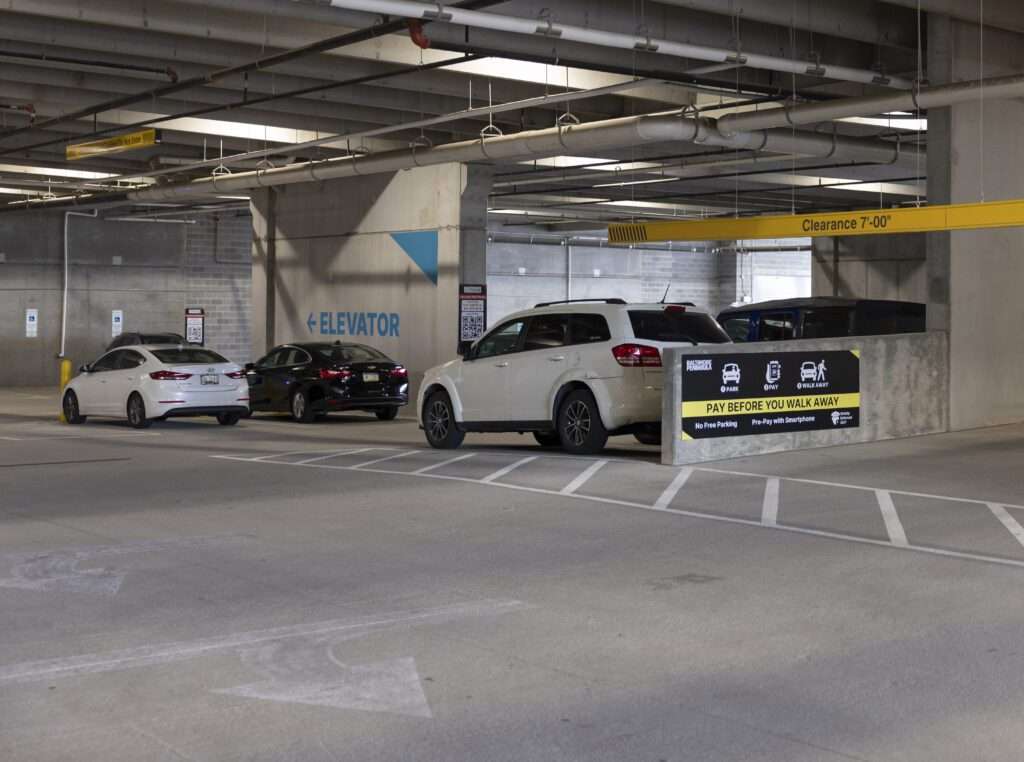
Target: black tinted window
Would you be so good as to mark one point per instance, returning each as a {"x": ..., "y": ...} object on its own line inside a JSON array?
[
  {"x": 676, "y": 325},
  {"x": 161, "y": 338},
  {"x": 882, "y": 319},
  {"x": 737, "y": 327},
  {"x": 777, "y": 326},
  {"x": 588, "y": 329},
  {"x": 107, "y": 362},
  {"x": 350, "y": 353},
  {"x": 546, "y": 332},
  {"x": 826, "y": 323},
  {"x": 501, "y": 340},
  {"x": 187, "y": 356},
  {"x": 128, "y": 359},
  {"x": 293, "y": 356}
]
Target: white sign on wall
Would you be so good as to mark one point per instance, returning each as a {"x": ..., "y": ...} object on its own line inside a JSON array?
[
  {"x": 194, "y": 324},
  {"x": 31, "y": 323},
  {"x": 116, "y": 323}
]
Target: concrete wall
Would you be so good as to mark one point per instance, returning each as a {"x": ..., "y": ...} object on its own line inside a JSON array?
[
  {"x": 903, "y": 391},
  {"x": 871, "y": 267},
  {"x": 712, "y": 275},
  {"x": 335, "y": 250},
  {"x": 150, "y": 271},
  {"x": 975, "y": 277}
]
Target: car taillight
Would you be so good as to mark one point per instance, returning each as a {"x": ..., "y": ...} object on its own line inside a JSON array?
[
  {"x": 400, "y": 372},
  {"x": 169, "y": 375},
  {"x": 332, "y": 374},
  {"x": 236, "y": 374},
  {"x": 637, "y": 355}
]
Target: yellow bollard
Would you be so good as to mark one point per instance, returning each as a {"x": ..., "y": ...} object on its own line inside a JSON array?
[{"x": 65, "y": 377}]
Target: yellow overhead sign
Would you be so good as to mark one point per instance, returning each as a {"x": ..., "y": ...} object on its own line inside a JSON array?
[
  {"x": 994, "y": 214},
  {"x": 127, "y": 142}
]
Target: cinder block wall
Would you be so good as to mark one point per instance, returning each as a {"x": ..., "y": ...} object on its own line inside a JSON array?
[{"x": 151, "y": 271}]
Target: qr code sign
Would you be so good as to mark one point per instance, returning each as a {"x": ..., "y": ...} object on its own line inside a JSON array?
[{"x": 472, "y": 326}]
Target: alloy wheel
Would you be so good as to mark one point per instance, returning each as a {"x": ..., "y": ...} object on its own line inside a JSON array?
[
  {"x": 577, "y": 423},
  {"x": 70, "y": 408},
  {"x": 298, "y": 405},
  {"x": 439, "y": 420}
]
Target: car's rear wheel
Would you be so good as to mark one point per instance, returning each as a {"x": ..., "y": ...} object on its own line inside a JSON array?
[
  {"x": 72, "y": 414},
  {"x": 649, "y": 437},
  {"x": 387, "y": 413},
  {"x": 301, "y": 409},
  {"x": 547, "y": 438},
  {"x": 439, "y": 422},
  {"x": 136, "y": 409},
  {"x": 579, "y": 424},
  {"x": 228, "y": 419}
]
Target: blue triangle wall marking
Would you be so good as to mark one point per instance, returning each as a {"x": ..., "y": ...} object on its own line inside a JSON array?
[{"x": 421, "y": 248}]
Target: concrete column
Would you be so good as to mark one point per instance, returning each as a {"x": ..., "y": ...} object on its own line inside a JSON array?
[
  {"x": 975, "y": 278},
  {"x": 375, "y": 260}
]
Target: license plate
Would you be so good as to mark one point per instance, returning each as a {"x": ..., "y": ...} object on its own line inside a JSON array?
[
  {"x": 371, "y": 378},
  {"x": 210, "y": 379}
]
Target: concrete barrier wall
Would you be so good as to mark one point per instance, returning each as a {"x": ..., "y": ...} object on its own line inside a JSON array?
[{"x": 904, "y": 391}]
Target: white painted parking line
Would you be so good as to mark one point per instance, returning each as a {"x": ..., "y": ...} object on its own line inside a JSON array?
[
  {"x": 389, "y": 457},
  {"x": 507, "y": 469},
  {"x": 283, "y": 455},
  {"x": 666, "y": 497},
  {"x": 892, "y": 521},
  {"x": 443, "y": 463},
  {"x": 770, "y": 506},
  {"x": 1008, "y": 521},
  {"x": 750, "y": 523},
  {"x": 333, "y": 455},
  {"x": 35, "y": 438},
  {"x": 583, "y": 478},
  {"x": 861, "y": 487}
]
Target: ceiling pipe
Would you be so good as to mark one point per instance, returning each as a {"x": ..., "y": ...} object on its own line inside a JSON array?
[
  {"x": 790, "y": 115},
  {"x": 592, "y": 136},
  {"x": 643, "y": 44}
]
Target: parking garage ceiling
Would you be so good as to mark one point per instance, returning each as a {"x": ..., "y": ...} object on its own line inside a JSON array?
[{"x": 246, "y": 87}]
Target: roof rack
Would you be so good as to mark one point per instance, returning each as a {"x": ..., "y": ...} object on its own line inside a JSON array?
[{"x": 577, "y": 301}]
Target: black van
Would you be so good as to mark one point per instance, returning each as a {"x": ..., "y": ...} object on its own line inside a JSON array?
[{"x": 821, "y": 317}]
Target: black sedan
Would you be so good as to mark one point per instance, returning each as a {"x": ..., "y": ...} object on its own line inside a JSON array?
[{"x": 310, "y": 380}]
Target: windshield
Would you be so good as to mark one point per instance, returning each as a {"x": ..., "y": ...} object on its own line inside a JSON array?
[
  {"x": 678, "y": 326},
  {"x": 349, "y": 353},
  {"x": 187, "y": 356}
]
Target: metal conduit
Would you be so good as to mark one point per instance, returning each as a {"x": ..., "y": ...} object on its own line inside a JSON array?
[
  {"x": 592, "y": 136},
  {"x": 646, "y": 44},
  {"x": 915, "y": 100}
]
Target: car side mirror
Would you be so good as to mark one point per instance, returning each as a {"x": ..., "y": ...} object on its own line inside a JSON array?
[
  {"x": 85, "y": 369},
  {"x": 465, "y": 348}
]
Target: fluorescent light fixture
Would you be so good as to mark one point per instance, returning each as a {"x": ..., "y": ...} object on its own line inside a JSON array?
[
  {"x": 78, "y": 174},
  {"x": 895, "y": 123}
]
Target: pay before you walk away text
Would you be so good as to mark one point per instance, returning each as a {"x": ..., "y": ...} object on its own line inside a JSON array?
[{"x": 769, "y": 393}]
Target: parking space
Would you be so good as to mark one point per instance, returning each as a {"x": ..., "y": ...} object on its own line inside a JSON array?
[{"x": 340, "y": 591}]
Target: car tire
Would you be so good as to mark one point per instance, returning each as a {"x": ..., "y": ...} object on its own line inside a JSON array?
[
  {"x": 648, "y": 438},
  {"x": 579, "y": 424},
  {"x": 69, "y": 405},
  {"x": 547, "y": 438},
  {"x": 136, "y": 411},
  {"x": 228, "y": 419},
  {"x": 300, "y": 408},
  {"x": 387, "y": 413},
  {"x": 439, "y": 422}
]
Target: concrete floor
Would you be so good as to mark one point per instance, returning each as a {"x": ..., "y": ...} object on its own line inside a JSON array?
[{"x": 339, "y": 592}]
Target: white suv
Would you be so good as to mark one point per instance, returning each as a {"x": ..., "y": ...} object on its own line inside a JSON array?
[{"x": 572, "y": 373}]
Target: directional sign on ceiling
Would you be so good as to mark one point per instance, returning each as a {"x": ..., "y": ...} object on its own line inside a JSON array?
[
  {"x": 117, "y": 144},
  {"x": 995, "y": 214}
]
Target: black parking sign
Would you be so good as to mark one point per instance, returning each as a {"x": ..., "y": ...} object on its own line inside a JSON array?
[{"x": 769, "y": 393}]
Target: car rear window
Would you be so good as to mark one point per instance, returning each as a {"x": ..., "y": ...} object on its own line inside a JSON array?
[
  {"x": 676, "y": 325},
  {"x": 161, "y": 338},
  {"x": 187, "y": 356},
  {"x": 350, "y": 353}
]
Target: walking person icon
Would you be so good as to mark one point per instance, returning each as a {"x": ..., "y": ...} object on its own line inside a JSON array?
[{"x": 821, "y": 371}]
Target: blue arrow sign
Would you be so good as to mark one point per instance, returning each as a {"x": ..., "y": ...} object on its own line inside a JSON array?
[{"x": 310, "y": 322}]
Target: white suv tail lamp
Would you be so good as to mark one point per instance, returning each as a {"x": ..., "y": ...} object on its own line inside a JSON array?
[{"x": 637, "y": 356}]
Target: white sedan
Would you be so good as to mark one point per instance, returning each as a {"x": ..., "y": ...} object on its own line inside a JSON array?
[{"x": 150, "y": 382}]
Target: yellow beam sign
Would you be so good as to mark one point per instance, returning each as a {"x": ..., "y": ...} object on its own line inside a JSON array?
[
  {"x": 127, "y": 142},
  {"x": 994, "y": 214}
]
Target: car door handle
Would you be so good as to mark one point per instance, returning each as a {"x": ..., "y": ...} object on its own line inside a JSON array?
[
  {"x": 559, "y": 358},
  {"x": 501, "y": 365}
]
